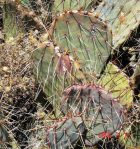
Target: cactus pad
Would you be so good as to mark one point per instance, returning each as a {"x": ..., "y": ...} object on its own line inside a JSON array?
[
  {"x": 64, "y": 5},
  {"x": 116, "y": 82},
  {"x": 85, "y": 37},
  {"x": 101, "y": 113},
  {"x": 65, "y": 133},
  {"x": 123, "y": 17}
]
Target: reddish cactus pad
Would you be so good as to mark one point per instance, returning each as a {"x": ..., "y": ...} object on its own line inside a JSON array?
[{"x": 100, "y": 111}]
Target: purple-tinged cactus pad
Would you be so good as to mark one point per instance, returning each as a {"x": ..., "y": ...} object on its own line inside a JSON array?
[
  {"x": 65, "y": 133},
  {"x": 102, "y": 114}
]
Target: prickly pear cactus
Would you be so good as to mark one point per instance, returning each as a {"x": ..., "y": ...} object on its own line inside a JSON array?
[
  {"x": 66, "y": 133},
  {"x": 81, "y": 44},
  {"x": 85, "y": 37},
  {"x": 101, "y": 113},
  {"x": 88, "y": 94},
  {"x": 116, "y": 82},
  {"x": 123, "y": 17},
  {"x": 81, "y": 47},
  {"x": 60, "y": 6}
]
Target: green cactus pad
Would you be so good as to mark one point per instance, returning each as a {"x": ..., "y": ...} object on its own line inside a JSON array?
[
  {"x": 101, "y": 113},
  {"x": 65, "y": 133},
  {"x": 122, "y": 15},
  {"x": 85, "y": 37},
  {"x": 116, "y": 82},
  {"x": 65, "y": 5},
  {"x": 49, "y": 71}
]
